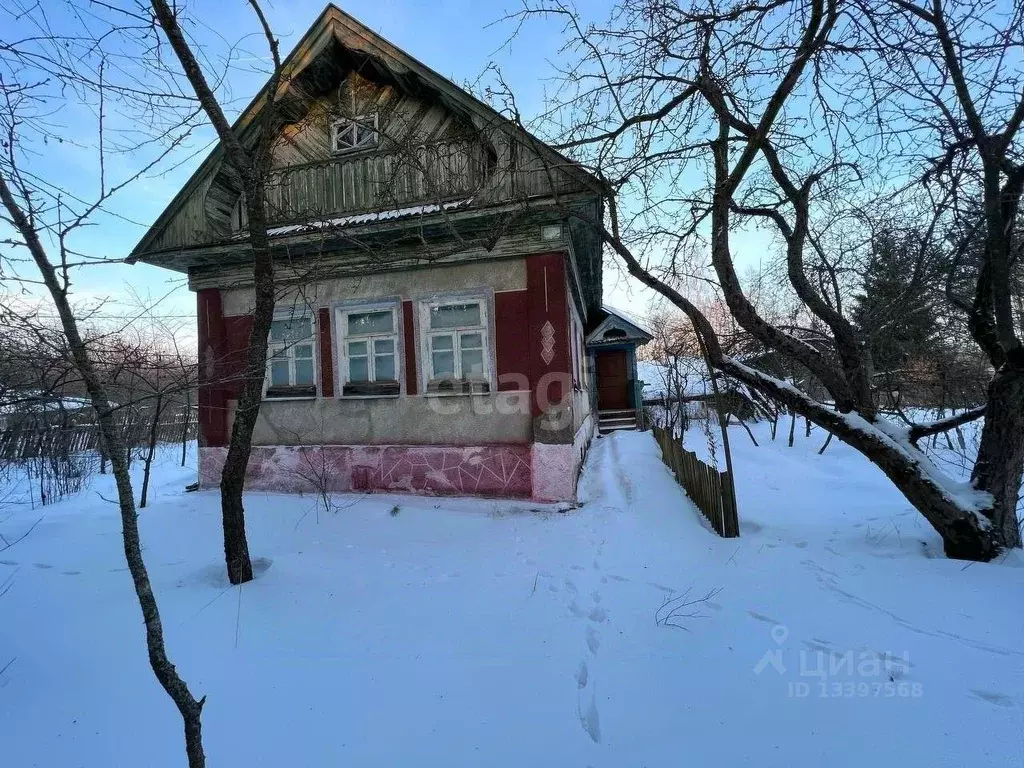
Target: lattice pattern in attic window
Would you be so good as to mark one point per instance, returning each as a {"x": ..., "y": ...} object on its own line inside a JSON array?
[{"x": 350, "y": 134}]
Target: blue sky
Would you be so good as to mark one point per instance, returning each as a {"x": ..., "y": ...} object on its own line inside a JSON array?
[{"x": 457, "y": 38}]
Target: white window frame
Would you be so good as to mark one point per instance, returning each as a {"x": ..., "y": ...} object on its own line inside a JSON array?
[
  {"x": 289, "y": 348},
  {"x": 472, "y": 385},
  {"x": 349, "y": 124},
  {"x": 341, "y": 315}
]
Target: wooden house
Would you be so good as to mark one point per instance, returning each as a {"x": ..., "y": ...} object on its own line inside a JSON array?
[{"x": 437, "y": 281}]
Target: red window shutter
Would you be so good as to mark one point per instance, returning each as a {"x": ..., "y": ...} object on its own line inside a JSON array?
[{"x": 326, "y": 353}]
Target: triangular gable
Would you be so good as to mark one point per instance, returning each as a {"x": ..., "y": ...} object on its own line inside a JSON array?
[
  {"x": 618, "y": 327},
  {"x": 334, "y": 25}
]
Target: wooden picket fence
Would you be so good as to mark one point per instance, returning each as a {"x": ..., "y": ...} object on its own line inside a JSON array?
[
  {"x": 29, "y": 440},
  {"x": 708, "y": 488}
]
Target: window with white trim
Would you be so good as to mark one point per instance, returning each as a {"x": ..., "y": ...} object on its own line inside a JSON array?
[
  {"x": 291, "y": 358},
  {"x": 457, "y": 345},
  {"x": 369, "y": 350},
  {"x": 351, "y": 134}
]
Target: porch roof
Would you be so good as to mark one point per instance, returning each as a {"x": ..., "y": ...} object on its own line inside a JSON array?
[{"x": 618, "y": 327}]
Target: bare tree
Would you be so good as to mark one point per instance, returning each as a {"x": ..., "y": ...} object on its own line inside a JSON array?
[
  {"x": 40, "y": 74},
  {"x": 249, "y": 158},
  {"x": 709, "y": 119}
]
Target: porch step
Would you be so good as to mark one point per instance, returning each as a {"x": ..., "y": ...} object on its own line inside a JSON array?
[{"x": 613, "y": 421}]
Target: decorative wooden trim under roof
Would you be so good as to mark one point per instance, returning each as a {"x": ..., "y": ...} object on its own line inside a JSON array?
[
  {"x": 618, "y": 328},
  {"x": 336, "y": 26}
]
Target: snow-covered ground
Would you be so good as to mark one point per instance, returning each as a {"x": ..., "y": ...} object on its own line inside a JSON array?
[{"x": 399, "y": 631}]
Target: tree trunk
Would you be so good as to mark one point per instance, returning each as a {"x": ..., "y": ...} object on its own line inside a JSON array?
[
  {"x": 749, "y": 433},
  {"x": 165, "y": 672},
  {"x": 964, "y": 536},
  {"x": 185, "y": 426},
  {"x": 232, "y": 481},
  {"x": 1001, "y": 453},
  {"x": 154, "y": 428}
]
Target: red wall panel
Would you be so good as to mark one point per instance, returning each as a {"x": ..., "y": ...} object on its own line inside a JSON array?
[
  {"x": 409, "y": 329},
  {"x": 548, "y": 310},
  {"x": 512, "y": 338},
  {"x": 237, "y": 329},
  {"x": 212, "y": 399},
  {"x": 326, "y": 354}
]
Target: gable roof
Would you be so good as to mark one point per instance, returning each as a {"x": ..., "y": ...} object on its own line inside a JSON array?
[
  {"x": 618, "y": 320},
  {"x": 334, "y": 25}
]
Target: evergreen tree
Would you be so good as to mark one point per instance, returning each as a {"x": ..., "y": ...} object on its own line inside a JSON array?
[{"x": 896, "y": 308}]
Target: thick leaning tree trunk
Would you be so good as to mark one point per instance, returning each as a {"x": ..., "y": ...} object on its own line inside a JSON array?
[
  {"x": 232, "y": 481},
  {"x": 964, "y": 535}
]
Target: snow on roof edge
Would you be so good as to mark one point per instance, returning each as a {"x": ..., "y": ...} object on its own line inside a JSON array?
[
  {"x": 362, "y": 218},
  {"x": 628, "y": 317}
]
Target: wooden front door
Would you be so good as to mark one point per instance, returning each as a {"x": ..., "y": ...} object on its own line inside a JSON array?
[{"x": 612, "y": 380}]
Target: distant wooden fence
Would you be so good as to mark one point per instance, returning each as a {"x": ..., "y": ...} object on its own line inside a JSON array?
[
  {"x": 708, "y": 488},
  {"x": 29, "y": 440}
]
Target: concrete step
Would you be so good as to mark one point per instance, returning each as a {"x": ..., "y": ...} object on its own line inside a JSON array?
[
  {"x": 623, "y": 420},
  {"x": 606, "y": 429},
  {"x": 616, "y": 420}
]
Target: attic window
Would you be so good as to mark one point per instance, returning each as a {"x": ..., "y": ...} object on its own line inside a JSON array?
[{"x": 350, "y": 134}]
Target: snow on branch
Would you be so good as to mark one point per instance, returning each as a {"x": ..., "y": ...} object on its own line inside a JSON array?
[
  {"x": 917, "y": 431},
  {"x": 859, "y": 432}
]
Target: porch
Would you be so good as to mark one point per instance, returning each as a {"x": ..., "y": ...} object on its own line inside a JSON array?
[{"x": 612, "y": 347}]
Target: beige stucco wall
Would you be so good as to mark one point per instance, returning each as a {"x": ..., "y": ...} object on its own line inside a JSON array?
[
  {"x": 498, "y": 275},
  {"x": 501, "y": 417}
]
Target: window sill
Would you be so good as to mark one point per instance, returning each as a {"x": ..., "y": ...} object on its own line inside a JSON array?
[
  {"x": 365, "y": 149},
  {"x": 288, "y": 399},
  {"x": 458, "y": 394},
  {"x": 458, "y": 387},
  {"x": 383, "y": 388},
  {"x": 393, "y": 396}
]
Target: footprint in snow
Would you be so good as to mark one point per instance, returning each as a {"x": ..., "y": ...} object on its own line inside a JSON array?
[
  {"x": 591, "y": 720},
  {"x": 999, "y": 699},
  {"x": 597, "y": 614},
  {"x": 70, "y": 573},
  {"x": 824, "y": 646},
  {"x": 42, "y": 566},
  {"x": 593, "y": 640},
  {"x": 582, "y": 674},
  {"x": 662, "y": 587},
  {"x": 762, "y": 617}
]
